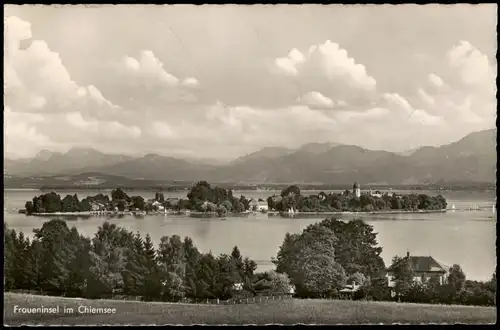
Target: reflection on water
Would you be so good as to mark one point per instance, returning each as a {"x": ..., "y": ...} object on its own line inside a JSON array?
[{"x": 466, "y": 238}]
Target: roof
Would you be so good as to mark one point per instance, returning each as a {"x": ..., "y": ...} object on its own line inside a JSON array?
[
  {"x": 427, "y": 264},
  {"x": 262, "y": 203},
  {"x": 356, "y": 185}
]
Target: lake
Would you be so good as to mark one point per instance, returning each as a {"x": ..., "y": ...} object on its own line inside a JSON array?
[{"x": 467, "y": 238}]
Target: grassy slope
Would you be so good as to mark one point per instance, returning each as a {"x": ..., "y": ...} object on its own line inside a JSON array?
[{"x": 282, "y": 312}]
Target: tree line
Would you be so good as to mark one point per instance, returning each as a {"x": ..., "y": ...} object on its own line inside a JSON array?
[
  {"x": 53, "y": 203},
  {"x": 116, "y": 262},
  {"x": 318, "y": 263},
  {"x": 291, "y": 198},
  {"x": 202, "y": 197},
  {"x": 327, "y": 255}
]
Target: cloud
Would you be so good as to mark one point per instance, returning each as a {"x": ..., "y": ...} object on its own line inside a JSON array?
[
  {"x": 473, "y": 65},
  {"x": 102, "y": 129},
  {"x": 467, "y": 101},
  {"x": 148, "y": 85},
  {"x": 436, "y": 80},
  {"x": 329, "y": 61},
  {"x": 40, "y": 93},
  {"x": 402, "y": 108},
  {"x": 191, "y": 82},
  {"x": 149, "y": 67},
  {"x": 36, "y": 78},
  {"x": 316, "y": 100},
  {"x": 324, "y": 76},
  {"x": 288, "y": 65}
]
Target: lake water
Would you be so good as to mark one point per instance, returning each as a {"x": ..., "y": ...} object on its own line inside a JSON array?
[{"x": 461, "y": 237}]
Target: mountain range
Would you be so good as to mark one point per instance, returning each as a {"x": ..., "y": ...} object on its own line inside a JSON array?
[{"x": 471, "y": 159}]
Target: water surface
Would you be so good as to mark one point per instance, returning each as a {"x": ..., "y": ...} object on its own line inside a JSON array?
[{"x": 466, "y": 238}]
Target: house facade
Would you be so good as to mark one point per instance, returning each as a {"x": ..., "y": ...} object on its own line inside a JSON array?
[
  {"x": 425, "y": 268},
  {"x": 262, "y": 206}
]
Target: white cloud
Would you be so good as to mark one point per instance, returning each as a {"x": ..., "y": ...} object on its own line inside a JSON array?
[
  {"x": 150, "y": 67},
  {"x": 402, "y": 108},
  {"x": 289, "y": 64},
  {"x": 191, "y": 82},
  {"x": 428, "y": 100},
  {"x": 102, "y": 129},
  {"x": 36, "y": 77},
  {"x": 330, "y": 61},
  {"x": 316, "y": 100},
  {"x": 436, "y": 80},
  {"x": 37, "y": 85},
  {"x": 473, "y": 65}
]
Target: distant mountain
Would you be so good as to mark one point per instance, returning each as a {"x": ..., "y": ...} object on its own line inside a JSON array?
[
  {"x": 471, "y": 159},
  {"x": 318, "y": 148},
  {"x": 153, "y": 166},
  {"x": 267, "y": 152},
  {"x": 47, "y": 162},
  {"x": 88, "y": 180}
]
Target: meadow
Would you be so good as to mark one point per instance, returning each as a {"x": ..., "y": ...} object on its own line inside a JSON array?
[{"x": 292, "y": 311}]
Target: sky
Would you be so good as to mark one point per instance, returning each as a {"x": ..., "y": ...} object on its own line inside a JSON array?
[{"x": 223, "y": 81}]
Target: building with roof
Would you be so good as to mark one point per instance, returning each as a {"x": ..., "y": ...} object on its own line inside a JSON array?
[{"x": 424, "y": 268}]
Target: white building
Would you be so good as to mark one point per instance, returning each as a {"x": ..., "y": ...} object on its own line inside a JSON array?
[
  {"x": 356, "y": 190},
  {"x": 262, "y": 206}
]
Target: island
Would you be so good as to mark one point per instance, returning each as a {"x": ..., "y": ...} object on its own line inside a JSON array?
[
  {"x": 204, "y": 199},
  {"x": 292, "y": 201}
]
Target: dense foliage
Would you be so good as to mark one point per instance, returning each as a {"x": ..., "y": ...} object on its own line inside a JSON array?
[
  {"x": 52, "y": 203},
  {"x": 60, "y": 261},
  {"x": 456, "y": 289},
  {"x": 201, "y": 197},
  {"x": 291, "y": 198},
  {"x": 327, "y": 255}
]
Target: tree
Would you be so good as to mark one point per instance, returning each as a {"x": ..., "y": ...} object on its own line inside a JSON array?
[
  {"x": 318, "y": 274},
  {"x": 403, "y": 275},
  {"x": 58, "y": 251},
  {"x": 121, "y": 205},
  {"x": 290, "y": 191},
  {"x": 159, "y": 197},
  {"x": 279, "y": 283},
  {"x": 456, "y": 280},
  {"x": 29, "y": 207},
  {"x": 138, "y": 202},
  {"x": 118, "y": 194},
  {"x": 173, "y": 287},
  {"x": 227, "y": 205},
  {"x": 152, "y": 284},
  {"x": 310, "y": 262}
]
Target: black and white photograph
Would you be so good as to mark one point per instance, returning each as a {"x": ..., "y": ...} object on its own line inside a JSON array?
[{"x": 249, "y": 164}]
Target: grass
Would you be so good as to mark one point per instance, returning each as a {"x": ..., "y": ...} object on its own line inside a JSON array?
[{"x": 291, "y": 311}]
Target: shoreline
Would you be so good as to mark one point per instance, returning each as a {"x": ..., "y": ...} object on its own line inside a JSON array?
[{"x": 213, "y": 214}]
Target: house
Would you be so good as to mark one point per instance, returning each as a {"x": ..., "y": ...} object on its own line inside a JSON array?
[
  {"x": 173, "y": 202},
  {"x": 254, "y": 204},
  {"x": 262, "y": 206},
  {"x": 348, "y": 291},
  {"x": 424, "y": 268},
  {"x": 376, "y": 193}
]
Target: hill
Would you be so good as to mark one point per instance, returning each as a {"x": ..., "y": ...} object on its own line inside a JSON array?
[
  {"x": 89, "y": 180},
  {"x": 54, "y": 163},
  {"x": 291, "y": 311},
  {"x": 469, "y": 160}
]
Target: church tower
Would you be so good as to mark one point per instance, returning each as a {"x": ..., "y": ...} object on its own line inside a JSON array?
[{"x": 356, "y": 189}]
